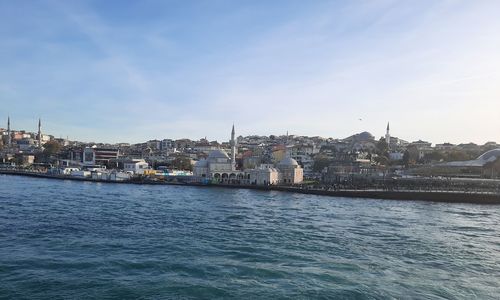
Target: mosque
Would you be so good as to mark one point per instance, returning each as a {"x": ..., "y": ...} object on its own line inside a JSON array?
[
  {"x": 22, "y": 140},
  {"x": 221, "y": 168}
]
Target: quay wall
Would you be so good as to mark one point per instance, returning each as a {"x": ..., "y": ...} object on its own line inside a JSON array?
[{"x": 433, "y": 196}]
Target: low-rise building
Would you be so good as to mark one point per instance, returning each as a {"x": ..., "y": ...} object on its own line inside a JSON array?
[
  {"x": 444, "y": 147},
  {"x": 264, "y": 175},
  {"x": 137, "y": 166},
  {"x": 290, "y": 171},
  {"x": 26, "y": 144},
  {"x": 28, "y": 159},
  {"x": 395, "y": 156},
  {"x": 99, "y": 156}
]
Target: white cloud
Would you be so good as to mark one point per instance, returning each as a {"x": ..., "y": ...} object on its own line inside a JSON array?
[{"x": 427, "y": 67}]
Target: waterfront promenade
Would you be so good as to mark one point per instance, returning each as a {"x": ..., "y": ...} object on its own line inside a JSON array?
[{"x": 437, "y": 195}]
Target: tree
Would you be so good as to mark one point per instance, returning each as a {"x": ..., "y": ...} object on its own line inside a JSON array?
[
  {"x": 413, "y": 154},
  {"x": 458, "y": 156},
  {"x": 381, "y": 160},
  {"x": 406, "y": 158},
  {"x": 320, "y": 162},
  {"x": 182, "y": 163},
  {"x": 51, "y": 148},
  {"x": 382, "y": 147},
  {"x": 382, "y": 152},
  {"x": 434, "y": 156}
]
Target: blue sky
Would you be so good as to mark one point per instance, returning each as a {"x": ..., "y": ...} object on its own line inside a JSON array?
[{"x": 129, "y": 71}]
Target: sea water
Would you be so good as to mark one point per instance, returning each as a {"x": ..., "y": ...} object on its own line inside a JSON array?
[{"x": 82, "y": 240}]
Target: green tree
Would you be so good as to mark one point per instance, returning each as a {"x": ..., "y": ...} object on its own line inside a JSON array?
[
  {"x": 381, "y": 160},
  {"x": 406, "y": 159},
  {"x": 434, "y": 156},
  {"x": 182, "y": 163},
  {"x": 382, "y": 148},
  {"x": 18, "y": 160},
  {"x": 413, "y": 154},
  {"x": 51, "y": 148},
  {"x": 457, "y": 155},
  {"x": 382, "y": 152},
  {"x": 320, "y": 162}
]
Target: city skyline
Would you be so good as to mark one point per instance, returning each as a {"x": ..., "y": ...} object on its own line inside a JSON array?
[
  {"x": 129, "y": 72},
  {"x": 387, "y": 133}
]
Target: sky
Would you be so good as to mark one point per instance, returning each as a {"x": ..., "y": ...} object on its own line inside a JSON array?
[{"x": 131, "y": 71}]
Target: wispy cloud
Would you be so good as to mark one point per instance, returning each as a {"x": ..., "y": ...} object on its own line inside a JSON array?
[{"x": 191, "y": 70}]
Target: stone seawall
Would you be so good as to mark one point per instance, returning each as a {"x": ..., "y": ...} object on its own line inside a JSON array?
[
  {"x": 441, "y": 196},
  {"x": 436, "y": 196}
]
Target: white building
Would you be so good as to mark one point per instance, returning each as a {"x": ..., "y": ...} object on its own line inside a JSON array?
[
  {"x": 26, "y": 144},
  {"x": 290, "y": 171},
  {"x": 264, "y": 175},
  {"x": 219, "y": 166},
  {"x": 445, "y": 146},
  {"x": 394, "y": 156},
  {"x": 168, "y": 145},
  {"x": 136, "y": 166},
  {"x": 69, "y": 170}
]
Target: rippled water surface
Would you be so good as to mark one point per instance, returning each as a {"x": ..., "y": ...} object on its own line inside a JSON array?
[{"x": 78, "y": 240}]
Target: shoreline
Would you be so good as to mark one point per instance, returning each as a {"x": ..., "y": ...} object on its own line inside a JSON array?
[{"x": 428, "y": 196}]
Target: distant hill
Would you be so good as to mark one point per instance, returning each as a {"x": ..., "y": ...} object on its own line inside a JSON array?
[{"x": 364, "y": 136}]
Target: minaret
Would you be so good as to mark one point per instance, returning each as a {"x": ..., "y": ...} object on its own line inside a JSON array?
[
  {"x": 9, "y": 138},
  {"x": 40, "y": 133},
  {"x": 233, "y": 150},
  {"x": 388, "y": 135}
]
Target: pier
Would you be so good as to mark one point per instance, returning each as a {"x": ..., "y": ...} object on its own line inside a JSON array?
[{"x": 447, "y": 196}]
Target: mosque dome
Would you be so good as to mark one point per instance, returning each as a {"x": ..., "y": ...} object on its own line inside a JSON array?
[
  {"x": 201, "y": 163},
  {"x": 270, "y": 170},
  {"x": 288, "y": 162},
  {"x": 490, "y": 155},
  {"x": 215, "y": 154}
]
